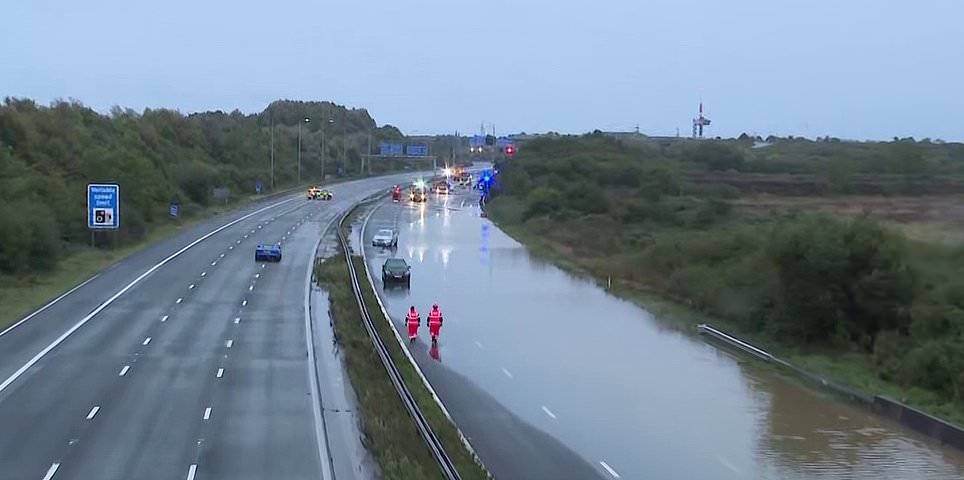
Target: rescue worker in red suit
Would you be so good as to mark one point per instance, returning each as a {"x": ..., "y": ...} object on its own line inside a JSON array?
[
  {"x": 412, "y": 320},
  {"x": 434, "y": 322}
]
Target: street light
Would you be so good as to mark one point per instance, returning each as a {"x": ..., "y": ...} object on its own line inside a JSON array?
[
  {"x": 323, "y": 129},
  {"x": 307, "y": 120}
]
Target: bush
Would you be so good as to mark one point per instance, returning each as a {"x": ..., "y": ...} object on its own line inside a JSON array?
[
  {"x": 836, "y": 278},
  {"x": 541, "y": 201}
]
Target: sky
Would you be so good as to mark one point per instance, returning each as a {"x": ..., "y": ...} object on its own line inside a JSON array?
[{"x": 856, "y": 69}]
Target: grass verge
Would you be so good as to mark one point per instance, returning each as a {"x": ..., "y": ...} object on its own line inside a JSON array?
[
  {"x": 390, "y": 433},
  {"x": 848, "y": 368}
]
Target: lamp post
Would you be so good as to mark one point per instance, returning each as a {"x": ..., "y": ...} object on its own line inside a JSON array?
[
  {"x": 323, "y": 130},
  {"x": 307, "y": 120}
]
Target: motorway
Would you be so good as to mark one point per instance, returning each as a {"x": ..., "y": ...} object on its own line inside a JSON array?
[
  {"x": 187, "y": 360},
  {"x": 549, "y": 376}
]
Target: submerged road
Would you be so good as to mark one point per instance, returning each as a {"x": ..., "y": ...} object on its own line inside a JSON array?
[
  {"x": 551, "y": 377},
  {"x": 185, "y": 360}
]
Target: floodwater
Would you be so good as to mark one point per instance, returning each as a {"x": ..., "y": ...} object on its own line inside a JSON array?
[{"x": 601, "y": 375}]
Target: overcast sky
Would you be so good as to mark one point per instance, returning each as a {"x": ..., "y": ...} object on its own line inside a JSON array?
[{"x": 847, "y": 68}]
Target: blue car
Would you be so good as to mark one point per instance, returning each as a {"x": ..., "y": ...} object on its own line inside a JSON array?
[{"x": 267, "y": 253}]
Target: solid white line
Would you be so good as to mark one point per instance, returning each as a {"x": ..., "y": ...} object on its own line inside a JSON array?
[
  {"x": 220, "y": 372},
  {"x": 237, "y": 320},
  {"x": 507, "y": 373},
  {"x": 51, "y": 471},
  {"x": 609, "y": 469},
  {"x": 179, "y": 300},
  {"x": 244, "y": 303},
  {"x": 204, "y": 273},
  {"x": 229, "y": 343},
  {"x": 93, "y": 411},
  {"x": 146, "y": 341},
  {"x": 207, "y": 413},
  {"x": 544, "y": 409},
  {"x": 321, "y": 435},
  {"x": 191, "y": 471},
  {"x": 164, "y": 318},
  {"x": 36, "y": 358},
  {"x": 728, "y": 464},
  {"x": 191, "y": 287},
  {"x": 124, "y": 371},
  {"x": 478, "y": 344},
  {"x": 41, "y": 309}
]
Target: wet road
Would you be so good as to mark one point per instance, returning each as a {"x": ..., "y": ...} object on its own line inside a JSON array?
[
  {"x": 186, "y": 359},
  {"x": 622, "y": 396}
]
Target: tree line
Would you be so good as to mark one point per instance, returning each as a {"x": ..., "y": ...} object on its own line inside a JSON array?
[{"x": 48, "y": 154}]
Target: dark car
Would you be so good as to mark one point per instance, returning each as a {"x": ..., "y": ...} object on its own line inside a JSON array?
[
  {"x": 267, "y": 253},
  {"x": 396, "y": 270}
]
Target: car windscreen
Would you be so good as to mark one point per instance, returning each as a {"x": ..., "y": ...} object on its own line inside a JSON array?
[
  {"x": 384, "y": 233},
  {"x": 395, "y": 263}
]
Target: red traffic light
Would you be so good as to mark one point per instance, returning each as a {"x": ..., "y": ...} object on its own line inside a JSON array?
[{"x": 509, "y": 150}]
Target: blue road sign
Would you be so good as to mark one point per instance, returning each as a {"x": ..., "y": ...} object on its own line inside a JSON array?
[
  {"x": 476, "y": 141},
  {"x": 103, "y": 206},
  {"x": 175, "y": 210},
  {"x": 390, "y": 149},
  {"x": 416, "y": 150},
  {"x": 257, "y": 188}
]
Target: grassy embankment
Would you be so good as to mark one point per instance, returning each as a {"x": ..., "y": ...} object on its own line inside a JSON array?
[
  {"x": 390, "y": 433},
  {"x": 847, "y": 298}
]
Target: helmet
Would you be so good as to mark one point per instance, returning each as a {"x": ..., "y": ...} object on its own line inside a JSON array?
[
  {"x": 435, "y": 306},
  {"x": 412, "y": 309}
]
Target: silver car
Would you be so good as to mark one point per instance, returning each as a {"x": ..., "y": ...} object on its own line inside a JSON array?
[{"x": 385, "y": 238}]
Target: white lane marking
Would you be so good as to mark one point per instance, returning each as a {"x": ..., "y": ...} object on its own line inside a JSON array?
[
  {"x": 609, "y": 469},
  {"x": 244, "y": 303},
  {"x": 252, "y": 230},
  {"x": 324, "y": 451},
  {"x": 179, "y": 300},
  {"x": 51, "y": 471},
  {"x": 263, "y": 265},
  {"x": 727, "y": 464},
  {"x": 239, "y": 241},
  {"x": 544, "y": 409},
  {"x": 229, "y": 343},
  {"x": 221, "y": 256},
  {"x": 191, "y": 471},
  {"x": 257, "y": 275},
  {"x": 237, "y": 320},
  {"x": 507, "y": 373},
  {"x": 214, "y": 263},
  {"x": 48, "y": 305},
  {"x": 250, "y": 288},
  {"x": 478, "y": 344},
  {"x": 164, "y": 318},
  {"x": 124, "y": 371},
  {"x": 83, "y": 321},
  {"x": 231, "y": 247},
  {"x": 207, "y": 413},
  {"x": 259, "y": 227},
  {"x": 191, "y": 287},
  {"x": 245, "y": 236},
  {"x": 146, "y": 341},
  {"x": 282, "y": 238},
  {"x": 93, "y": 412},
  {"x": 220, "y": 372},
  {"x": 204, "y": 273}
]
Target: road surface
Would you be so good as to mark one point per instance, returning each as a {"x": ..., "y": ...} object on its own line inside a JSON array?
[
  {"x": 185, "y": 360},
  {"x": 528, "y": 350}
]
